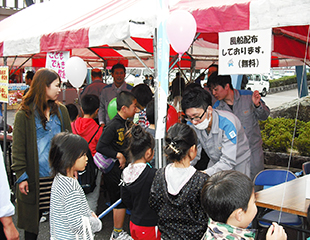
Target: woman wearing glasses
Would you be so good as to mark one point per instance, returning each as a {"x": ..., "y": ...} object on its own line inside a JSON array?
[{"x": 219, "y": 133}]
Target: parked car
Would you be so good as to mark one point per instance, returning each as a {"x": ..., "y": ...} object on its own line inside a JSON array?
[{"x": 258, "y": 82}]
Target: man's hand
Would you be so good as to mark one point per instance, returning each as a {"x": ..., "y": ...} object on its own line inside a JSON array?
[
  {"x": 23, "y": 187},
  {"x": 121, "y": 159},
  {"x": 9, "y": 229},
  {"x": 256, "y": 98}
]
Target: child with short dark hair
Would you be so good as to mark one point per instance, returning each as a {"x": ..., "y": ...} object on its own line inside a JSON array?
[
  {"x": 70, "y": 215},
  {"x": 144, "y": 95},
  {"x": 112, "y": 144},
  {"x": 73, "y": 111},
  {"x": 175, "y": 192},
  {"x": 86, "y": 126},
  {"x": 137, "y": 179},
  {"x": 229, "y": 201},
  {"x": 89, "y": 129}
]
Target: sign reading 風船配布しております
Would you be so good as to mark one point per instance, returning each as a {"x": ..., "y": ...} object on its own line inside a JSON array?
[{"x": 245, "y": 52}]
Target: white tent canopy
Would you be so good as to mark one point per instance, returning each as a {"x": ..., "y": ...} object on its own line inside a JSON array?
[{"x": 96, "y": 30}]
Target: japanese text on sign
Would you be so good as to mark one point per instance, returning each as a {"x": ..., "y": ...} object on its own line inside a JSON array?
[
  {"x": 244, "y": 52},
  {"x": 4, "y": 82},
  {"x": 56, "y": 61}
]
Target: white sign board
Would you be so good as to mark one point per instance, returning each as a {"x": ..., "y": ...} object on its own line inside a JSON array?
[
  {"x": 245, "y": 52},
  {"x": 56, "y": 61},
  {"x": 308, "y": 189}
]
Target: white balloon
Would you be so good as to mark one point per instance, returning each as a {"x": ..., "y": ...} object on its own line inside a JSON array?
[{"x": 76, "y": 71}]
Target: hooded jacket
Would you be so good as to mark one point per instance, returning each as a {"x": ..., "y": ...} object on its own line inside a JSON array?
[
  {"x": 86, "y": 128},
  {"x": 135, "y": 196}
]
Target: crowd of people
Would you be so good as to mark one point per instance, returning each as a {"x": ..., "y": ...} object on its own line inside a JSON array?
[{"x": 218, "y": 132}]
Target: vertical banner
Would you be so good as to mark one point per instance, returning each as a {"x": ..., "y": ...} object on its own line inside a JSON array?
[
  {"x": 245, "y": 52},
  {"x": 162, "y": 62},
  {"x": 56, "y": 61},
  {"x": 4, "y": 82}
]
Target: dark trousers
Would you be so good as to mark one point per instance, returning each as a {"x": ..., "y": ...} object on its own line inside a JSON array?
[{"x": 30, "y": 236}]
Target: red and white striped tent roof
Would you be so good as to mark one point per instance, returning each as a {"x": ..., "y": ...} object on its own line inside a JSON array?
[{"x": 104, "y": 31}]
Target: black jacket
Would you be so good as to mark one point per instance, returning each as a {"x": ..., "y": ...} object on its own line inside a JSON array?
[
  {"x": 112, "y": 139},
  {"x": 136, "y": 197}
]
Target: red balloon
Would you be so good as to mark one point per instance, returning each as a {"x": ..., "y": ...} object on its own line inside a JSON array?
[{"x": 172, "y": 117}]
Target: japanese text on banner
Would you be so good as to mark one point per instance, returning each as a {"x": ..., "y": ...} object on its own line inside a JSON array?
[
  {"x": 56, "y": 61},
  {"x": 4, "y": 81},
  {"x": 245, "y": 52}
]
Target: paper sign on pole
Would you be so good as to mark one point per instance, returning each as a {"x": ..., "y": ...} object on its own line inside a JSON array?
[
  {"x": 4, "y": 83},
  {"x": 56, "y": 61},
  {"x": 245, "y": 52}
]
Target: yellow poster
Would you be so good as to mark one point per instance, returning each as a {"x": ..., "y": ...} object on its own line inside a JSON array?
[{"x": 4, "y": 81}]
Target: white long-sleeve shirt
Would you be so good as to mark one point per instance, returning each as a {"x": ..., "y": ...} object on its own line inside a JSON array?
[
  {"x": 68, "y": 206},
  {"x": 6, "y": 207}
]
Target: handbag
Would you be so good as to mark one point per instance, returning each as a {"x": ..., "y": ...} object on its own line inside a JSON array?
[
  {"x": 103, "y": 163},
  {"x": 86, "y": 228}
]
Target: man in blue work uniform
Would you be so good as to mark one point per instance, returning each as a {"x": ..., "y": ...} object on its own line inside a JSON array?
[
  {"x": 248, "y": 107},
  {"x": 219, "y": 133}
]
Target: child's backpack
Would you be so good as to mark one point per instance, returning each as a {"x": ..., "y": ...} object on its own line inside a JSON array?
[{"x": 87, "y": 178}]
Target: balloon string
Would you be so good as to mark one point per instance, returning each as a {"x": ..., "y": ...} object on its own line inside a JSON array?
[
  {"x": 179, "y": 104},
  {"x": 78, "y": 94},
  {"x": 295, "y": 126}
]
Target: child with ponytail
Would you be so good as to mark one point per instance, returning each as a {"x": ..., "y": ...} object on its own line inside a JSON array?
[
  {"x": 176, "y": 189},
  {"x": 137, "y": 179}
]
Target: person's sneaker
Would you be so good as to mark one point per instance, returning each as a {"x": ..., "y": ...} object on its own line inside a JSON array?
[{"x": 122, "y": 236}]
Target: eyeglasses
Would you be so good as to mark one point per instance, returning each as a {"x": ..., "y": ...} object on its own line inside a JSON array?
[{"x": 196, "y": 118}]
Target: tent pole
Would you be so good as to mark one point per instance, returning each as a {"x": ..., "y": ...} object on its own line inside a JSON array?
[
  {"x": 140, "y": 60},
  {"x": 175, "y": 62},
  {"x": 13, "y": 62},
  {"x": 158, "y": 142},
  {"x": 21, "y": 65},
  {"x": 5, "y": 123}
]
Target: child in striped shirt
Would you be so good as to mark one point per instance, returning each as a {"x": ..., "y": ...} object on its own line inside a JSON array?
[{"x": 70, "y": 215}]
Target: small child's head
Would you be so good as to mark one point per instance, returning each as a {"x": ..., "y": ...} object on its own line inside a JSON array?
[
  {"x": 73, "y": 111},
  {"x": 66, "y": 150},
  {"x": 143, "y": 94},
  {"x": 90, "y": 104},
  {"x": 126, "y": 104},
  {"x": 150, "y": 114},
  {"x": 181, "y": 141},
  {"x": 228, "y": 197},
  {"x": 140, "y": 144}
]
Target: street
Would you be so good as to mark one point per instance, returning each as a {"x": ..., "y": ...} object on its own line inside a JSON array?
[{"x": 277, "y": 99}]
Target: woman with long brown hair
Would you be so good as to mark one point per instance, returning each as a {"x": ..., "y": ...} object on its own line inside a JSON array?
[{"x": 39, "y": 118}]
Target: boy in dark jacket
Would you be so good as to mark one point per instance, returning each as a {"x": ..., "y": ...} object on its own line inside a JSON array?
[{"x": 112, "y": 145}]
